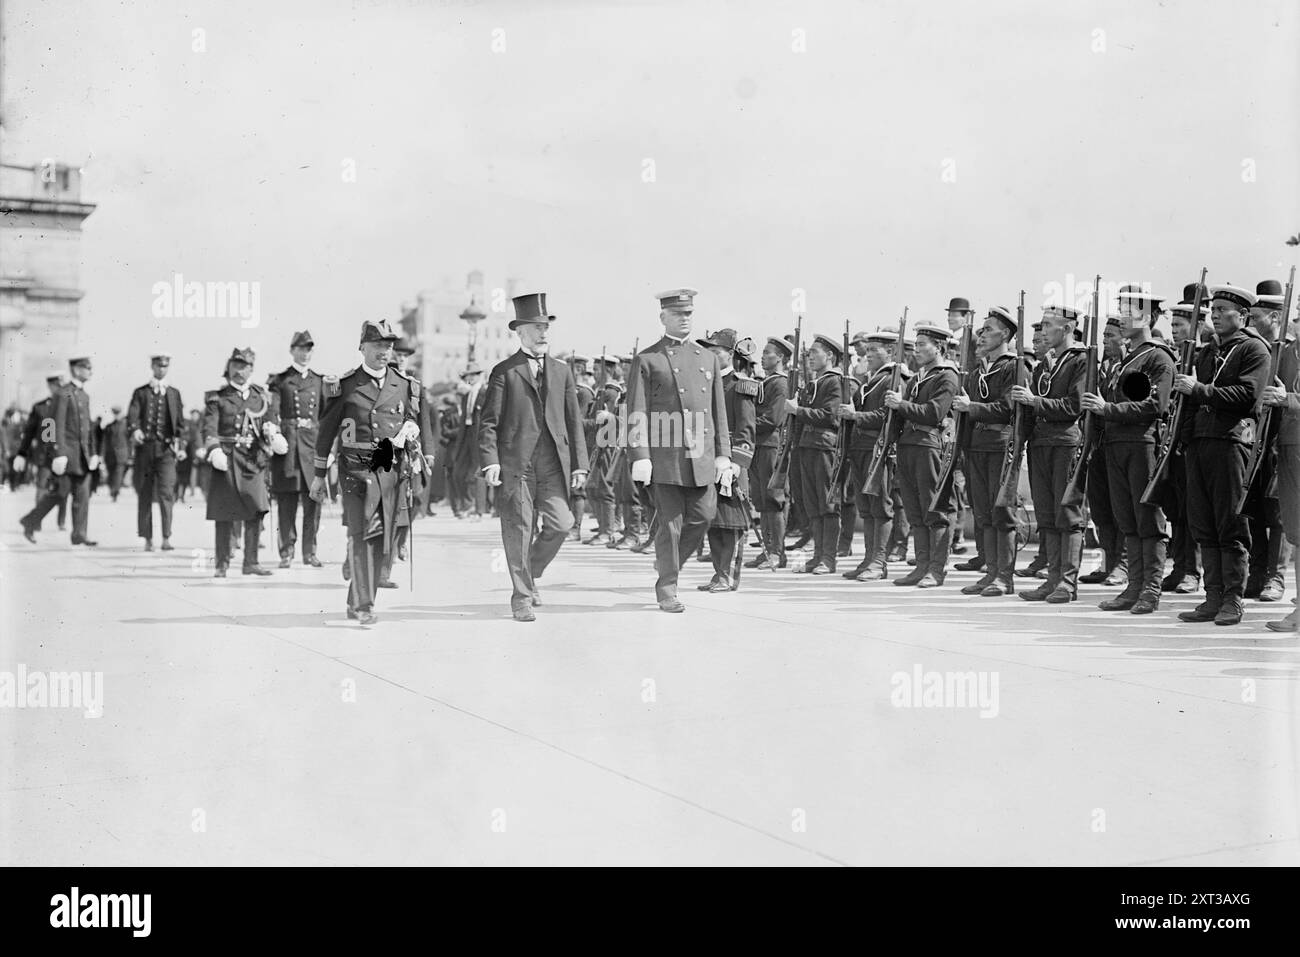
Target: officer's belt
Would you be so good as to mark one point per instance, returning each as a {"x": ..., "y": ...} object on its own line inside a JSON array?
[{"x": 302, "y": 423}]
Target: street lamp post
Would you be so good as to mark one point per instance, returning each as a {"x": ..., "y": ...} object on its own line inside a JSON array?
[{"x": 472, "y": 315}]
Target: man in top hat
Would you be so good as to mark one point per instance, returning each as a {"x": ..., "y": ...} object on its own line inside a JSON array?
[
  {"x": 155, "y": 419},
  {"x": 921, "y": 406},
  {"x": 1113, "y": 568},
  {"x": 115, "y": 450},
  {"x": 817, "y": 414},
  {"x": 297, "y": 395},
  {"x": 74, "y": 456},
  {"x": 1225, "y": 396},
  {"x": 866, "y": 413},
  {"x": 374, "y": 412},
  {"x": 1184, "y": 576},
  {"x": 769, "y": 417},
  {"x": 533, "y": 449},
  {"x": 678, "y": 438},
  {"x": 1054, "y": 398},
  {"x": 36, "y": 443},
  {"x": 1284, "y": 396},
  {"x": 240, "y": 434},
  {"x": 1266, "y": 580},
  {"x": 731, "y": 521},
  {"x": 1132, "y": 403},
  {"x": 986, "y": 400}
]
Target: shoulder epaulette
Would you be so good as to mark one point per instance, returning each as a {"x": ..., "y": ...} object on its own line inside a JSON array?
[
  {"x": 334, "y": 384},
  {"x": 210, "y": 394},
  {"x": 746, "y": 386}
]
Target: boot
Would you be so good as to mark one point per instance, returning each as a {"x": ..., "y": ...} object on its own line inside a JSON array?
[
  {"x": 1069, "y": 550},
  {"x": 1048, "y": 544},
  {"x": 1002, "y": 558},
  {"x": 1121, "y": 573},
  {"x": 989, "y": 538},
  {"x": 1153, "y": 563},
  {"x": 868, "y": 546},
  {"x": 875, "y": 568},
  {"x": 940, "y": 538},
  {"x": 1126, "y": 599},
  {"x": 921, "y": 544},
  {"x": 830, "y": 540},
  {"x": 252, "y": 532},
  {"x": 816, "y": 527},
  {"x": 1208, "y": 609}
]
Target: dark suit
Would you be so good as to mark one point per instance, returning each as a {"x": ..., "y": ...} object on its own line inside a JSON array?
[
  {"x": 162, "y": 420},
  {"x": 533, "y": 430},
  {"x": 297, "y": 400},
  {"x": 466, "y": 491},
  {"x": 37, "y": 444},
  {"x": 73, "y": 439},
  {"x": 116, "y": 454},
  {"x": 677, "y": 418}
]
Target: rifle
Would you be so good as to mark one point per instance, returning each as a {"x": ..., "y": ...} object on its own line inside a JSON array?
[
  {"x": 874, "y": 484},
  {"x": 1260, "y": 449},
  {"x": 781, "y": 471},
  {"x": 838, "y": 459},
  {"x": 1078, "y": 483},
  {"x": 1153, "y": 493},
  {"x": 1009, "y": 480},
  {"x": 948, "y": 463}
]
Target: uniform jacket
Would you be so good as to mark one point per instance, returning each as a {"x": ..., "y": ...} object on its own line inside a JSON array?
[
  {"x": 117, "y": 443},
  {"x": 1231, "y": 376},
  {"x": 927, "y": 399},
  {"x": 819, "y": 425},
  {"x": 74, "y": 429},
  {"x": 296, "y": 400},
  {"x": 1058, "y": 391},
  {"x": 33, "y": 443},
  {"x": 769, "y": 413},
  {"x": 740, "y": 394},
  {"x": 1130, "y": 421},
  {"x": 991, "y": 412},
  {"x": 1288, "y": 372},
  {"x": 675, "y": 389},
  {"x": 234, "y": 423},
  {"x": 170, "y": 414},
  {"x": 516, "y": 414},
  {"x": 869, "y": 403}
]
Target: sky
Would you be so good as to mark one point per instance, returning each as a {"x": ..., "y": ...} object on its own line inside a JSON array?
[{"x": 840, "y": 159}]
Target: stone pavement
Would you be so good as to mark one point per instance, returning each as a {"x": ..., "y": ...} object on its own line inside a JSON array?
[{"x": 246, "y": 721}]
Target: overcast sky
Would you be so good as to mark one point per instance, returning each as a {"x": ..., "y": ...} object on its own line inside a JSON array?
[{"x": 911, "y": 152}]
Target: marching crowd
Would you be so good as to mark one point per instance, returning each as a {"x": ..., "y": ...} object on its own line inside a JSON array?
[{"x": 1170, "y": 431}]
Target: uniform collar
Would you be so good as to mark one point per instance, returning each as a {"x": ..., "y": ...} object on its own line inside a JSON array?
[
  {"x": 377, "y": 376},
  {"x": 77, "y": 383},
  {"x": 159, "y": 385},
  {"x": 674, "y": 340},
  {"x": 302, "y": 370}
]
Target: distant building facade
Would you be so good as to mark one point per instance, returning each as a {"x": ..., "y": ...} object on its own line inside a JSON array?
[
  {"x": 41, "y": 213},
  {"x": 442, "y": 338}
]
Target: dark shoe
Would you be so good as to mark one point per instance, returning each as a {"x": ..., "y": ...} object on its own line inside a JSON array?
[
  {"x": 1284, "y": 625},
  {"x": 1116, "y": 578},
  {"x": 720, "y": 584},
  {"x": 871, "y": 575},
  {"x": 1190, "y": 585},
  {"x": 1230, "y": 611},
  {"x": 367, "y": 617},
  {"x": 220, "y": 572},
  {"x": 600, "y": 538},
  {"x": 523, "y": 613},
  {"x": 167, "y": 545},
  {"x": 1207, "y": 610},
  {"x": 641, "y": 547},
  {"x": 148, "y": 545},
  {"x": 1038, "y": 594},
  {"x": 975, "y": 588},
  {"x": 1170, "y": 581},
  {"x": 704, "y": 557},
  {"x": 87, "y": 542},
  {"x": 975, "y": 564},
  {"x": 707, "y": 586},
  {"x": 852, "y": 575},
  {"x": 386, "y": 583},
  {"x": 537, "y": 597},
  {"x": 844, "y": 552},
  {"x": 1029, "y": 571},
  {"x": 758, "y": 561},
  {"x": 256, "y": 570},
  {"x": 806, "y": 568},
  {"x": 401, "y": 553},
  {"x": 959, "y": 548},
  {"x": 929, "y": 581},
  {"x": 672, "y": 606},
  {"x": 1253, "y": 590},
  {"x": 911, "y": 562},
  {"x": 998, "y": 589},
  {"x": 311, "y": 561},
  {"x": 63, "y": 526},
  {"x": 1121, "y": 602},
  {"x": 1145, "y": 606},
  {"x": 29, "y": 533},
  {"x": 285, "y": 562},
  {"x": 1094, "y": 577},
  {"x": 800, "y": 544},
  {"x": 911, "y": 578},
  {"x": 1273, "y": 591},
  {"x": 1060, "y": 596}
]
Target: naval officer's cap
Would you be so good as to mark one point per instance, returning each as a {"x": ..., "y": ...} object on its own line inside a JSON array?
[
  {"x": 678, "y": 300},
  {"x": 301, "y": 339},
  {"x": 381, "y": 331}
]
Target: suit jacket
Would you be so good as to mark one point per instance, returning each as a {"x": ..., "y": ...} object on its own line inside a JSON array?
[
  {"x": 513, "y": 419},
  {"x": 138, "y": 410},
  {"x": 74, "y": 429},
  {"x": 35, "y": 444},
  {"x": 674, "y": 389},
  {"x": 296, "y": 398},
  {"x": 117, "y": 443}
]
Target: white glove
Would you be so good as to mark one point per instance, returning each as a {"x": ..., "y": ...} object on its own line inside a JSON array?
[
  {"x": 201, "y": 454},
  {"x": 217, "y": 459},
  {"x": 93, "y": 464},
  {"x": 429, "y": 460},
  {"x": 181, "y": 455},
  {"x": 406, "y": 433},
  {"x": 722, "y": 464},
  {"x": 20, "y": 464},
  {"x": 270, "y": 429},
  {"x": 641, "y": 470},
  {"x": 492, "y": 474},
  {"x": 59, "y": 465},
  {"x": 137, "y": 437},
  {"x": 279, "y": 444}
]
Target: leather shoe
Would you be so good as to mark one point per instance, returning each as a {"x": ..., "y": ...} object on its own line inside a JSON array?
[
  {"x": 1094, "y": 577},
  {"x": 822, "y": 568},
  {"x": 1060, "y": 596},
  {"x": 1284, "y": 625},
  {"x": 707, "y": 586},
  {"x": 220, "y": 572},
  {"x": 975, "y": 588},
  {"x": 311, "y": 561},
  {"x": 148, "y": 545},
  {"x": 386, "y": 583},
  {"x": 929, "y": 581},
  {"x": 167, "y": 545},
  {"x": 1116, "y": 578},
  {"x": 721, "y": 584},
  {"x": 256, "y": 570},
  {"x": 871, "y": 575},
  {"x": 672, "y": 606},
  {"x": 285, "y": 563},
  {"x": 1190, "y": 585},
  {"x": 367, "y": 617},
  {"x": 1230, "y": 612},
  {"x": 641, "y": 547},
  {"x": 1205, "y": 611},
  {"x": 1118, "y": 603},
  {"x": 1038, "y": 594},
  {"x": 998, "y": 589},
  {"x": 29, "y": 533},
  {"x": 975, "y": 564},
  {"x": 1145, "y": 606},
  {"x": 1253, "y": 590},
  {"x": 1273, "y": 591},
  {"x": 854, "y": 573},
  {"x": 523, "y": 613},
  {"x": 85, "y": 541}
]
